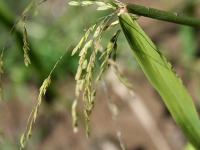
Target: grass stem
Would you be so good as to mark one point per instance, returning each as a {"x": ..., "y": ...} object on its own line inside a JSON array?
[{"x": 163, "y": 15}]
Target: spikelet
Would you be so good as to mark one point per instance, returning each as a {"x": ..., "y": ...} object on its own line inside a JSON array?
[
  {"x": 111, "y": 47},
  {"x": 111, "y": 25},
  {"x": 26, "y": 47},
  {"x": 74, "y": 116},
  {"x": 33, "y": 116},
  {"x": 34, "y": 113},
  {"x": 100, "y": 5},
  {"x": 82, "y": 60},
  {"x": 89, "y": 92},
  {"x": 81, "y": 67},
  {"x": 81, "y": 81},
  {"x": 104, "y": 6},
  {"x": 85, "y": 72},
  {"x": 83, "y": 39}
]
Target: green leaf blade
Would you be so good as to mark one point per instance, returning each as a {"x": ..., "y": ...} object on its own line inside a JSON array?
[{"x": 162, "y": 77}]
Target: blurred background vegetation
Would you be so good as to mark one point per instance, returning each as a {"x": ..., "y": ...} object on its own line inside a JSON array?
[{"x": 54, "y": 27}]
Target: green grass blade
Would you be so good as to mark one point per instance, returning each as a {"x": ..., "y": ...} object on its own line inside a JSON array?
[{"x": 162, "y": 77}]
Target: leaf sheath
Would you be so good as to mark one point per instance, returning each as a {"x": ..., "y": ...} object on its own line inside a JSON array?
[{"x": 162, "y": 77}]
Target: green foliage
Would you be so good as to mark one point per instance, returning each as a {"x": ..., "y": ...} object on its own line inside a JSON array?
[{"x": 162, "y": 77}]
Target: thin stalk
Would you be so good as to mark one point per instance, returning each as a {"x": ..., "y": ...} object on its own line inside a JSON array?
[{"x": 163, "y": 15}]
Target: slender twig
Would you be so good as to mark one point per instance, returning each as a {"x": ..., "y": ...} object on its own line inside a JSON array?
[{"x": 163, "y": 15}]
